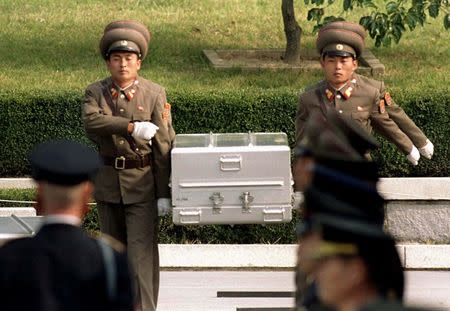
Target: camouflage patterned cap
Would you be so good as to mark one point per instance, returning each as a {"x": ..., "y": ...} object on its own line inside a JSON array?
[
  {"x": 341, "y": 39},
  {"x": 125, "y": 35}
]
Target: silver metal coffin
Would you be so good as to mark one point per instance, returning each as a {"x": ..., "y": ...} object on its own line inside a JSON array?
[
  {"x": 13, "y": 227},
  {"x": 232, "y": 178}
]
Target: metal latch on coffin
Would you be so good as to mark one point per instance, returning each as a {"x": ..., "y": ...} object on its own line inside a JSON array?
[
  {"x": 273, "y": 215},
  {"x": 190, "y": 217},
  {"x": 246, "y": 199},
  {"x": 230, "y": 162},
  {"x": 217, "y": 200}
]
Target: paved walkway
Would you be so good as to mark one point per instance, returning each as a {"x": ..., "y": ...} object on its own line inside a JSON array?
[{"x": 197, "y": 290}]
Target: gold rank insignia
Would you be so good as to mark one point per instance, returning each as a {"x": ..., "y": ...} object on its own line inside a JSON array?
[
  {"x": 129, "y": 95},
  {"x": 382, "y": 106},
  {"x": 329, "y": 94},
  {"x": 114, "y": 93},
  {"x": 348, "y": 92},
  {"x": 388, "y": 98}
]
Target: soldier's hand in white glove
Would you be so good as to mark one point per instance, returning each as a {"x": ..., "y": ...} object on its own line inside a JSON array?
[
  {"x": 414, "y": 156},
  {"x": 427, "y": 150},
  {"x": 144, "y": 130},
  {"x": 164, "y": 206}
]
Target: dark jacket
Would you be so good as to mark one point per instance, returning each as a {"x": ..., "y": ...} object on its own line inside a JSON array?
[{"x": 61, "y": 268}]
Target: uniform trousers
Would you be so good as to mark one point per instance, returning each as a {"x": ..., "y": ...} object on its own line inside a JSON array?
[{"x": 136, "y": 225}]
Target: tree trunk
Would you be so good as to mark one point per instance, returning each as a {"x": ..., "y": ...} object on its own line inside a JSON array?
[{"x": 293, "y": 32}]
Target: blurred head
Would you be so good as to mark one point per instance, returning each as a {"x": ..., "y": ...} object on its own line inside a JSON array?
[
  {"x": 353, "y": 269},
  {"x": 63, "y": 171}
]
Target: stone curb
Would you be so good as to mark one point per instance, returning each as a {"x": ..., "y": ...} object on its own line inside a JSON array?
[{"x": 251, "y": 256}]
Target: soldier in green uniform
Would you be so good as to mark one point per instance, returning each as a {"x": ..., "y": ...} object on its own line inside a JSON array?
[
  {"x": 129, "y": 119},
  {"x": 364, "y": 100}
]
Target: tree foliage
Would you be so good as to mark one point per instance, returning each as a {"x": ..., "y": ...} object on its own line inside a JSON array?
[{"x": 384, "y": 25}]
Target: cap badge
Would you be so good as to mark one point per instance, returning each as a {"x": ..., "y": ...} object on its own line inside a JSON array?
[
  {"x": 339, "y": 47},
  {"x": 124, "y": 42}
]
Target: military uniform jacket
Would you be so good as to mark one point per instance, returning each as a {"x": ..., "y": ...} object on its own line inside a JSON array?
[
  {"x": 360, "y": 100},
  {"x": 61, "y": 268},
  {"x": 107, "y": 127},
  {"x": 397, "y": 114}
]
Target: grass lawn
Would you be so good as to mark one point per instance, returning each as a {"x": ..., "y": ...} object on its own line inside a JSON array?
[{"x": 53, "y": 44}]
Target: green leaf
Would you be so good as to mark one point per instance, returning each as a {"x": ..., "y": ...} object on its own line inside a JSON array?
[
  {"x": 387, "y": 41},
  {"x": 315, "y": 14},
  {"x": 391, "y": 7},
  {"x": 365, "y": 21},
  {"x": 447, "y": 21},
  {"x": 347, "y": 5},
  {"x": 411, "y": 20},
  {"x": 433, "y": 9},
  {"x": 306, "y": 2}
]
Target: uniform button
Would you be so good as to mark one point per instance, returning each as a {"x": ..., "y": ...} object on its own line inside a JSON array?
[
  {"x": 338, "y": 96},
  {"x": 122, "y": 96},
  {"x": 137, "y": 149},
  {"x": 121, "y": 110},
  {"x": 340, "y": 111},
  {"x": 121, "y": 142}
]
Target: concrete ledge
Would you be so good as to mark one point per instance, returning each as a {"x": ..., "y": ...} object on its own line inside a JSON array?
[
  {"x": 18, "y": 211},
  {"x": 415, "y": 188},
  {"x": 16, "y": 183},
  {"x": 244, "y": 256}
]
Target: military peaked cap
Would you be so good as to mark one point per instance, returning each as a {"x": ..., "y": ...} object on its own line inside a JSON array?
[
  {"x": 125, "y": 35},
  {"x": 341, "y": 39},
  {"x": 64, "y": 162}
]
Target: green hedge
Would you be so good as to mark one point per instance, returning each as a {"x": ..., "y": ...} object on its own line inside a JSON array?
[{"x": 26, "y": 119}]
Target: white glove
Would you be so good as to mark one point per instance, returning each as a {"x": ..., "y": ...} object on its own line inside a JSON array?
[
  {"x": 414, "y": 156},
  {"x": 164, "y": 206},
  {"x": 427, "y": 150},
  {"x": 144, "y": 130}
]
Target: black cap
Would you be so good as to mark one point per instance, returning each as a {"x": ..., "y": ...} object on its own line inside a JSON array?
[{"x": 64, "y": 162}]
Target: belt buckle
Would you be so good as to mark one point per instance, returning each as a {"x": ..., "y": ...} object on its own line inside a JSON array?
[{"x": 119, "y": 163}]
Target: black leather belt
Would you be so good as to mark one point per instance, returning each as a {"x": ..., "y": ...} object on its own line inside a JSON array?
[{"x": 122, "y": 163}]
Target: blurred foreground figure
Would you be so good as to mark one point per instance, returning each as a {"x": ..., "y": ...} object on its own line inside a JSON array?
[
  {"x": 330, "y": 155},
  {"x": 61, "y": 267}
]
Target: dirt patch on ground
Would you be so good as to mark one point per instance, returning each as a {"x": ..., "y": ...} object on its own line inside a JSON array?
[{"x": 272, "y": 59}]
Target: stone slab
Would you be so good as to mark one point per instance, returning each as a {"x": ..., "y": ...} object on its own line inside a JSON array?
[
  {"x": 415, "y": 188},
  {"x": 427, "y": 257},
  {"x": 419, "y": 221},
  {"x": 16, "y": 183},
  {"x": 262, "y": 256},
  {"x": 227, "y": 256}
]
